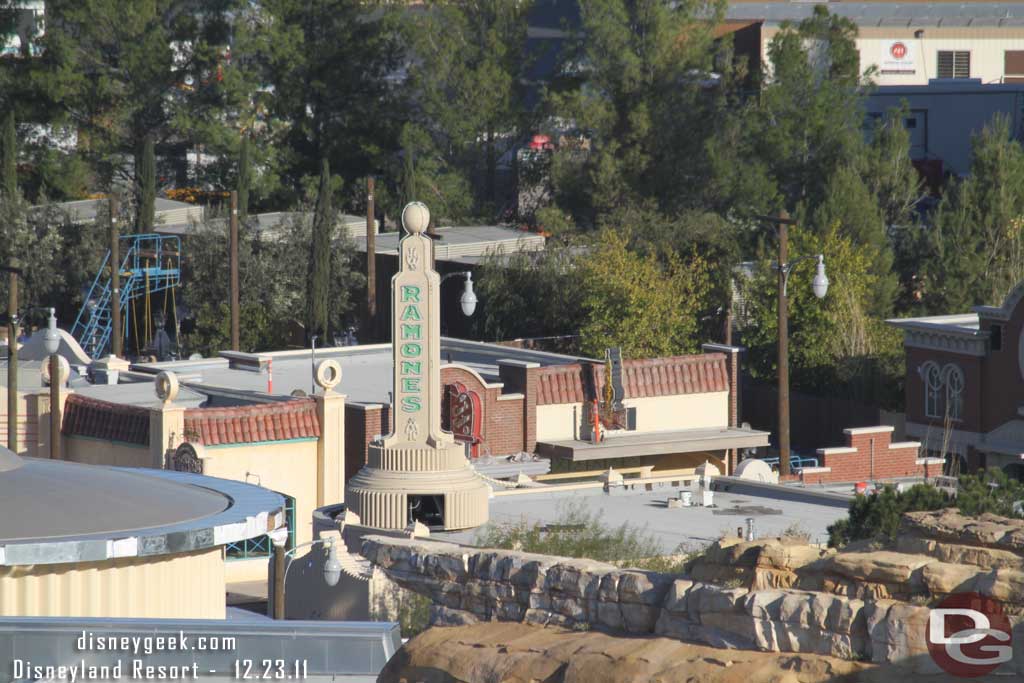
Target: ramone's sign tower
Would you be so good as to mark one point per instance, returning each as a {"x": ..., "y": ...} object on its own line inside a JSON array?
[{"x": 418, "y": 472}]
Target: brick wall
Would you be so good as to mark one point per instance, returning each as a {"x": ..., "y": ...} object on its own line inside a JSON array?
[
  {"x": 870, "y": 455},
  {"x": 503, "y": 415},
  {"x": 362, "y": 423}
]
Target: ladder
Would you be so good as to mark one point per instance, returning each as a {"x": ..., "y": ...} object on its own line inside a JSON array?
[{"x": 151, "y": 264}]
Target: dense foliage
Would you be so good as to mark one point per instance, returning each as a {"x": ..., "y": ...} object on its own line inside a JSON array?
[
  {"x": 877, "y": 516},
  {"x": 666, "y": 148}
]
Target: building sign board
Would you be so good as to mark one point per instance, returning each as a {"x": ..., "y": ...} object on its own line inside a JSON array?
[
  {"x": 897, "y": 59},
  {"x": 465, "y": 416}
]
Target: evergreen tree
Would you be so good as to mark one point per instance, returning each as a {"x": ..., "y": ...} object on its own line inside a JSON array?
[
  {"x": 146, "y": 188},
  {"x": 632, "y": 82},
  {"x": 471, "y": 87},
  {"x": 122, "y": 70},
  {"x": 8, "y": 158},
  {"x": 244, "y": 171},
  {"x": 319, "y": 287},
  {"x": 328, "y": 66},
  {"x": 974, "y": 252}
]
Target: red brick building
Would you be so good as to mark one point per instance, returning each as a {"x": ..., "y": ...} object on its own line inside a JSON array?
[
  {"x": 676, "y": 406},
  {"x": 965, "y": 385}
]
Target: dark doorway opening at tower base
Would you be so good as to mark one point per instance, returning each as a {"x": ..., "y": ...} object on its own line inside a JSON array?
[{"x": 427, "y": 509}]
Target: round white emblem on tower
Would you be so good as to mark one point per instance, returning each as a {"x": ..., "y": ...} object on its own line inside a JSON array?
[{"x": 415, "y": 217}]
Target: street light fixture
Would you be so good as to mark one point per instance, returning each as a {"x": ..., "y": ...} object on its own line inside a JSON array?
[
  {"x": 468, "y": 299},
  {"x": 819, "y": 285},
  {"x": 331, "y": 571}
]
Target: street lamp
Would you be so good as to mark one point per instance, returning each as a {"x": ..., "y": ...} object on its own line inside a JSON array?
[
  {"x": 468, "y": 299},
  {"x": 331, "y": 570},
  {"x": 819, "y": 285},
  {"x": 51, "y": 342}
]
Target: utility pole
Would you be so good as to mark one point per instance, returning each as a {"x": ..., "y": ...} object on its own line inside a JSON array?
[
  {"x": 116, "y": 335},
  {"x": 371, "y": 265},
  {"x": 12, "y": 354},
  {"x": 235, "y": 332},
  {"x": 783, "y": 363}
]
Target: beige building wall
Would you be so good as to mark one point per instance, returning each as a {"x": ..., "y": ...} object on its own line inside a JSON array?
[
  {"x": 653, "y": 414},
  {"x": 28, "y": 421},
  {"x": 103, "y": 452},
  {"x": 243, "y": 571},
  {"x": 987, "y": 47},
  {"x": 185, "y": 586},
  {"x": 288, "y": 467}
]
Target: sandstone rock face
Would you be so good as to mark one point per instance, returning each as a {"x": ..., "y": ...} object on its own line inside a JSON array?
[
  {"x": 760, "y": 564},
  {"x": 502, "y": 653},
  {"x": 857, "y": 605}
]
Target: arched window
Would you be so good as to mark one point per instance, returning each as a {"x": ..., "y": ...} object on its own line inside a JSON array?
[
  {"x": 932, "y": 377},
  {"x": 954, "y": 378}
]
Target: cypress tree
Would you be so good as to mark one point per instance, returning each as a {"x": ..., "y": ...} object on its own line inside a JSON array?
[
  {"x": 320, "y": 257},
  {"x": 145, "y": 175},
  {"x": 8, "y": 158},
  {"x": 243, "y": 178}
]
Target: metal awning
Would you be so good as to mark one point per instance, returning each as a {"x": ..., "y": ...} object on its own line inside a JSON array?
[{"x": 632, "y": 445}]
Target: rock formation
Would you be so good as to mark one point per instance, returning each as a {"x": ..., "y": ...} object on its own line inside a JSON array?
[{"x": 771, "y": 595}]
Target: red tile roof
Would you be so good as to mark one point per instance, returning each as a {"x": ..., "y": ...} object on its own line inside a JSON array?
[
  {"x": 105, "y": 420},
  {"x": 294, "y": 419},
  {"x": 696, "y": 374}
]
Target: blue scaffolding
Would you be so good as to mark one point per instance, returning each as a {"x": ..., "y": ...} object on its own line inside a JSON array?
[{"x": 150, "y": 264}]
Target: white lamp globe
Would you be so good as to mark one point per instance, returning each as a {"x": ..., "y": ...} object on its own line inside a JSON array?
[
  {"x": 468, "y": 299},
  {"x": 820, "y": 282},
  {"x": 415, "y": 217},
  {"x": 51, "y": 338},
  {"x": 332, "y": 567}
]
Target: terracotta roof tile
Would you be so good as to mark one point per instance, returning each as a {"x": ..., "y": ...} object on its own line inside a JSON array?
[
  {"x": 105, "y": 420},
  {"x": 696, "y": 374},
  {"x": 295, "y": 419}
]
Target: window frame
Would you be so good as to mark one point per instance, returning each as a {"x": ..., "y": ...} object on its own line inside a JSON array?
[
  {"x": 932, "y": 390},
  {"x": 955, "y": 384},
  {"x": 953, "y": 66}
]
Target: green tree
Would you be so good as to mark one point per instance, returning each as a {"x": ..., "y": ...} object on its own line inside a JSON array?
[
  {"x": 990, "y": 491},
  {"x": 632, "y": 84},
  {"x": 145, "y": 191},
  {"x": 529, "y": 294},
  {"x": 622, "y": 308},
  {"x": 318, "y": 320},
  {"x": 119, "y": 71},
  {"x": 877, "y": 516},
  {"x": 8, "y": 157},
  {"x": 274, "y": 279},
  {"x": 326, "y": 65},
  {"x": 835, "y": 342},
  {"x": 470, "y": 86},
  {"x": 974, "y": 252},
  {"x": 244, "y": 179}
]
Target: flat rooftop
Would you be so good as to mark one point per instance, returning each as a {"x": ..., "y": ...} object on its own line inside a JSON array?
[
  {"x": 671, "y": 528},
  {"x": 895, "y": 14},
  {"x": 465, "y": 241},
  {"x": 366, "y": 370}
]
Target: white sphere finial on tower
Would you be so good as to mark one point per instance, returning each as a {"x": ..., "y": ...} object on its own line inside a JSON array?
[{"x": 415, "y": 217}]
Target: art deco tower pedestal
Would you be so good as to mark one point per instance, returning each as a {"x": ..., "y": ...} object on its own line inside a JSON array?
[{"x": 418, "y": 472}]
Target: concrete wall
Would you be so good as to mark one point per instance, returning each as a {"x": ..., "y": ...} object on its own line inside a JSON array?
[
  {"x": 558, "y": 421},
  {"x": 28, "y": 422},
  {"x": 288, "y": 467},
  {"x": 104, "y": 452},
  {"x": 186, "y": 586}
]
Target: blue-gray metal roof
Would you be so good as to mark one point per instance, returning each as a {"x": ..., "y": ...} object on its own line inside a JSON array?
[
  {"x": 54, "y": 512},
  {"x": 895, "y": 14}
]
